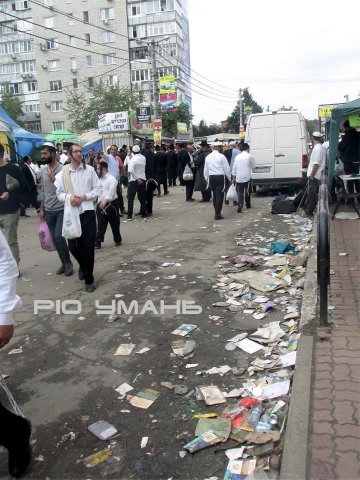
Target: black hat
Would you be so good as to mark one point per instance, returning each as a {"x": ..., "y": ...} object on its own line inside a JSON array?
[
  {"x": 151, "y": 185},
  {"x": 204, "y": 143}
]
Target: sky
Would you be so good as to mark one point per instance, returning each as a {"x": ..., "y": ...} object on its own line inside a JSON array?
[{"x": 287, "y": 52}]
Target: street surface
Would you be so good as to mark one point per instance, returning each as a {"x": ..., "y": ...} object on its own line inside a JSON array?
[{"x": 65, "y": 377}]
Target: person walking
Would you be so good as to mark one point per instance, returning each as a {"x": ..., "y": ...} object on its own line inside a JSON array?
[
  {"x": 107, "y": 210},
  {"x": 172, "y": 165},
  {"x": 15, "y": 430},
  {"x": 185, "y": 158},
  {"x": 349, "y": 149},
  {"x": 115, "y": 166},
  {"x": 242, "y": 169},
  {"x": 160, "y": 170},
  {"x": 200, "y": 182},
  {"x": 51, "y": 209},
  {"x": 12, "y": 185},
  {"x": 216, "y": 173},
  {"x": 137, "y": 182},
  {"x": 30, "y": 197},
  {"x": 81, "y": 182},
  {"x": 315, "y": 168}
]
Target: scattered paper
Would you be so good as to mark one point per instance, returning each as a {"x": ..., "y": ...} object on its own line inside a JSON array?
[
  {"x": 16, "y": 351},
  {"x": 184, "y": 329},
  {"x": 97, "y": 458},
  {"x": 125, "y": 349},
  {"x": 289, "y": 359},
  {"x": 275, "y": 390},
  {"x": 249, "y": 346},
  {"x": 143, "y": 350},
  {"x": 123, "y": 389},
  {"x": 342, "y": 254},
  {"x": 234, "y": 453},
  {"x": 144, "y": 442},
  {"x": 144, "y": 399},
  {"x": 212, "y": 395}
]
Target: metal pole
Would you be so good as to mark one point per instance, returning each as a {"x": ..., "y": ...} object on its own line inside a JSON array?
[
  {"x": 155, "y": 79},
  {"x": 241, "y": 125}
]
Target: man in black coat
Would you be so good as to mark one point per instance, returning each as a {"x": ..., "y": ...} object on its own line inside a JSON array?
[
  {"x": 30, "y": 197},
  {"x": 185, "y": 158},
  {"x": 172, "y": 165},
  {"x": 200, "y": 182},
  {"x": 349, "y": 149},
  {"x": 149, "y": 172},
  {"x": 160, "y": 161}
]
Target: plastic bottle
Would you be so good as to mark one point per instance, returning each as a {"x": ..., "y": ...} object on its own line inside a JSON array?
[{"x": 252, "y": 418}]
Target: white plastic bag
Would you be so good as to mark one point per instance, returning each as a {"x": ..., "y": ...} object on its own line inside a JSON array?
[
  {"x": 71, "y": 224},
  {"x": 232, "y": 195},
  {"x": 188, "y": 174}
]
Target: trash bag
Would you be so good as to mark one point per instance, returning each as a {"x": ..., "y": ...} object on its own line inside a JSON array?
[
  {"x": 232, "y": 195},
  {"x": 45, "y": 237},
  {"x": 71, "y": 224},
  {"x": 283, "y": 247},
  {"x": 188, "y": 174}
]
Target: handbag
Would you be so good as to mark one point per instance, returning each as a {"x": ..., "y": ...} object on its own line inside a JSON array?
[
  {"x": 11, "y": 183},
  {"x": 71, "y": 227},
  {"x": 45, "y": 237},
  {"x": 188, "y": 174},
  {"x": 232, "y": 195}
]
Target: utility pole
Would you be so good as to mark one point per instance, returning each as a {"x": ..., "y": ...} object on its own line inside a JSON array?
[
  {"x": 155, "y": 79},
  {"x": 241, "y": 125}
]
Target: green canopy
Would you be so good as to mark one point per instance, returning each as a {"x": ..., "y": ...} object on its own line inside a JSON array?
[
  {"x": 61, "y": 136},
  {"x": 338, "y": 116}
]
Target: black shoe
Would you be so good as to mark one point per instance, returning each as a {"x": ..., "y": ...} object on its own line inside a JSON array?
[
  {"x": 25, "y": 216},
  {"x": 190, "y": 200},
  {"x": 20, "y": 456},
  {"x": 117, "y": 244},
  {"x": 145, "y": 215},
  {"x": 166, "y": 193},
  {"x": 137, "y": 213},
  {"x": 69, "y": 269},
  {"x": 129, "y": 217},
  {"x": 149, "y": 214},
  {"x": 123, "y": 211},
  {"x": 235, "y": 204},
  {"x": 97, "y": 246},
  {"x": 239, "y": 209},
  {"x": 121, "y": 215},
  {"x": 81, "y": 275},
  {"x": 218, "y": 217},
  {"x": 60, "y": 270},
  {"x": 158, "y": 195},
  {"x": 248, "y": 206},
  {"x": 227, "y": 202},
  {"x": 90, "y": 287}
]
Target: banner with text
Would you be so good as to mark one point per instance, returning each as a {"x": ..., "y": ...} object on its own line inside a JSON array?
[{"x": 113, "y": 122}]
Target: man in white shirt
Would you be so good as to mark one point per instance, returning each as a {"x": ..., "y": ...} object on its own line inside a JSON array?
[
  {"x": 137, "y": 182},
  {"x": 315, "y": 169},
  {"x": 14, "y": 430},
  {"x": 64, "y": 157},
  {"x": 107, "y": 210},
  {"x": 216, "y": 171},
  {"x": 243, "y": 165},
  {"x": 81, "y": 182}
]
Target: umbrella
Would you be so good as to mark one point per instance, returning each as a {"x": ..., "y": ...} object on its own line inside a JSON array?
[{"x": 61, "y": 136}]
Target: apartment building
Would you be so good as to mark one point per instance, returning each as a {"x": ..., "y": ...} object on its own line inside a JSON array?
[{"x": 50, "y": 46}]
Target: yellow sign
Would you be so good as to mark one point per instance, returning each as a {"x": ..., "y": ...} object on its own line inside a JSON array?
[
  {"x": 182, "y": 128},
  {"x": 354, "y": 120},
  {"x": 325, "y": 110},
  {"x": 167, "y": 84},
  {"x": 157, "y": 136}
]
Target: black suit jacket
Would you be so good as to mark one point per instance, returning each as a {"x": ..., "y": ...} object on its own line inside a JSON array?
[{"x": 25, "y": 170}]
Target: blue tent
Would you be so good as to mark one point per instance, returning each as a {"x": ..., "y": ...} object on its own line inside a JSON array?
[{"x": 25, "y": 141}]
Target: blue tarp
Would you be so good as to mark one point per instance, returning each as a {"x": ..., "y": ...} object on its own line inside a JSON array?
[{"x": 25, "y": 141}]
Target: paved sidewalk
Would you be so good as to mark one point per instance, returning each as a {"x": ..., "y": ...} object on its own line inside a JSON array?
[{"x": 334, "y": 442}]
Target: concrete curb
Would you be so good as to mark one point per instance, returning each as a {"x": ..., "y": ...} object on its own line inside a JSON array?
[{"x": 294, "y": 457}]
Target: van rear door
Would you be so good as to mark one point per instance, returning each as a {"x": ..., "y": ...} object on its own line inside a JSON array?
[
  {"x": 261, "y": 140},
  {"x": 288, "y": 145}
]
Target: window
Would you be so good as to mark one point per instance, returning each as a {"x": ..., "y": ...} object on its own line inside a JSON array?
[
  {"x": 164, "y": 71},
  {"x": 109, "y": 59},
  {"x": 90, "y": 82},
  {"x": 13, "y": 88},
  {"x": 55, "y": 85},
  {"x": 107, "y": 14},
  {"x": 139, "y": 53},
  {"x": 71, "y": 21},
  {"x": 49, "y": 22},
  {"x": 87, "y": 38},
  {"x": 72, "y": 41},
  {"x": 33, "y": 126},
  {"x": 4, "y": 68},
  {"x": 137, "y": 31},
  {"x": 112, "y": 80},
  {"x": 28, "y": 67},
  {"x": 23, "y": 25},
  {"x": 134, "y": 10},
  {"x": 161, "y": 29},
  {"x": 56, "y": 106},
  {"x": 75, "y": 83},
  {"x": 22, "y": 46},
  {"x": 88, "y": 60},
  {"x": 31, "y": 87},
  {"x": 153, "y": 6},
  {"x": 31, "y": 108},
  {"x": 140, "y": 75},
  {"x": 20, "y": 5},
  {"x": 58, "y": 125},
  {"x": 108, "y": 37},
  {"x": 51, "y": 44},
  {"x": 73, "y": 63},
  {"x": 169, "y": 49},
  {"x": 48, "y": 3},
  {"x": 53, "y": 64},
  {"x": 86, "y": 17}
]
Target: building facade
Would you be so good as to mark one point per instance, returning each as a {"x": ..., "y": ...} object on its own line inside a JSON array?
[{"x": 48, "y": 47}]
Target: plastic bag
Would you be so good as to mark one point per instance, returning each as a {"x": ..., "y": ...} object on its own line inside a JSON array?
[
  {"x": 45, "y": 237},
  {"x": 232, "y": 195},
  {"x": 188, "y": 174},
  {"x": 71, "y": 224}
]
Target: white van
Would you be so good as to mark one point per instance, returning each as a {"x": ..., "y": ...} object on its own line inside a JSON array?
[{"x": 278, "y": 141}]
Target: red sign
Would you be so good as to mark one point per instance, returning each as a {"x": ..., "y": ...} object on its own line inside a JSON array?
[{"x": 157, "y": 124}]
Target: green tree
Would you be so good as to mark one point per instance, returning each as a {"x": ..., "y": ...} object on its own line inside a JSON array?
[
  {"x": 312, "y": 125},
  {"x": 83, "y": 107},
  {"x": 170, "y": 119},
  {"x": 233, "y": 120},
  {"x": 12, "y": 106},
  {"x": 203, "y": 129}
]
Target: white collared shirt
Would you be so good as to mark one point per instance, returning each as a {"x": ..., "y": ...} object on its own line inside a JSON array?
[
  {"x": 318, "y": 157},
  {"x": 8, "y": 275},
  {"x": 243, "y": 165},
  {"x": 216, "y": 164},
  {"x": 113, "y": 165},
  {"x": 109, "y": 188},
  {"x": 136, "y": 167},
  {"x": 84, "y": 181}
]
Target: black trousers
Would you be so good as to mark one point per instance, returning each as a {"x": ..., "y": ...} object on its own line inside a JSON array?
[
  {"x": 133, "y": 189},
  {"x": 243, "y": 188},
  {"x": 149, "y": 198},
  {"x": 206, "y": 195},
  {"x": 120, "y": 197},
  {"x": 189, "y": 186},
  {"x": 82, "y": 248},
  {"x": 11, "y": 428},
  {"x": 164, "y": 184},
  {"x": 172, "y": 176},
  {"x": 312, "y": 196},
  {"x": 217, "y": 185},
  {"x": 110, "y": 214}
]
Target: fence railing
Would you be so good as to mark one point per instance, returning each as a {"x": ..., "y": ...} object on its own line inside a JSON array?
[{"x": 323, "y": 252}]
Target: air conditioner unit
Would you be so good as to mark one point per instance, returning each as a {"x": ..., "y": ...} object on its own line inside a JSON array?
[
  {"x": 13, "y": 56},
  {"x": 44, "y": 66},
  {"x": 48, "y": 105},
  {"x": 74, "y": 69},
  {"x": 43, "y": 47},
  {"x": 105, "y": 21},
  {"x": 37, "y": 114}
]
